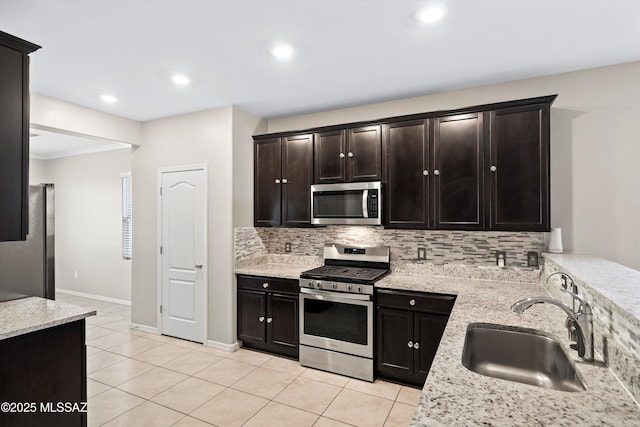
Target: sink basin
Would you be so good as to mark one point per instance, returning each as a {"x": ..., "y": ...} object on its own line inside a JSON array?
[{"x": 519, "y": 354}]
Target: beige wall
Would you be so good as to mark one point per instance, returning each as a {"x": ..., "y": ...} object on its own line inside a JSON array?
[
  {"x": 89, "y": 222},
  {"x": 220, "y": 138},
  {"x": 595, "y": 189},
  {"x": 63, "y": 117}
]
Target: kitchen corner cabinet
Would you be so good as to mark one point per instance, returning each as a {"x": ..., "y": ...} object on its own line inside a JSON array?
[
  {"x": 519, "y": 168},
  {"x": 283, "y": 177},
  {"x": 268, "y": 314},
  {"x": 348, "y": 155},
  {"x": 14, "y": 136},
  {"x": 409, "y": 326}
]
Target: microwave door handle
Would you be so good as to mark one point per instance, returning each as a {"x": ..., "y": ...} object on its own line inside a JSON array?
[{"x": 365, "y": 198}]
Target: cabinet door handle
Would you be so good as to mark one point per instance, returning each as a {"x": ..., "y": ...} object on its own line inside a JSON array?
[
  {"x": 425, "y": 172},
  {"x": 269, "y": 319},
  {"x": 350, "y": 154},
  {"x": 265, "y": 285},
  {"x": 261, "y": 319},
  {"x": 342, "y": 155},
  {"x": 416, "y": 345},
  {"x": 436, "y": 172},
  {"x": 410, "y": 344},
  {"x": 277, "y": 181},
  {"x": 285, "y": 181},
  {"x": 493, "y": 168},
  {"x": 412, "y": 302}
]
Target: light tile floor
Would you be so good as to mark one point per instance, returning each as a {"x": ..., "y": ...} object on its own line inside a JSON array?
[{"x": 140, "y": 379}]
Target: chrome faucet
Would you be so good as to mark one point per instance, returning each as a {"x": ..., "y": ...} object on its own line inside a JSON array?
[
  {"x": 583, "y": 319},
  {"x": 570, "y": 324}
]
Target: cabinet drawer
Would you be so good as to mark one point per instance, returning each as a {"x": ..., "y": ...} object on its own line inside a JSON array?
[
  {"x": 416, "y": 301},
  {"x": 269, "y": 284}
]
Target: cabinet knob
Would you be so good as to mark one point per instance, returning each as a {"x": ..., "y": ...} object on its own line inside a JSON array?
[
  {"x": 425, "y": 172},
  {"x": 342, "y": 155},
  {"x": 436, "y": 172},
  {"x": 198, "y": 266},
  {"x": 410, "y": 344},
  {"x": 270, "y": 319},
  {"x": 265, "y": 285},
  {"x": 285, "y": 181},
  {"x": 277, "y": 181},
  {"x": 261, "y": 319},
  {"x": 416, "y": 345},
  {"x": 493, "y": 168},
  {"x": 350, "y": 154},
  {"x": 412, "y": 302}
]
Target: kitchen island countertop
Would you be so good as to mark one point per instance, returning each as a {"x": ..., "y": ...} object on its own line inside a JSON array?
[{"x": 25, "y": 315}]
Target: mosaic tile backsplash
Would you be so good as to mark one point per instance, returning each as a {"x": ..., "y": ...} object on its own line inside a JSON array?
[{"x": 470, "y": 248}]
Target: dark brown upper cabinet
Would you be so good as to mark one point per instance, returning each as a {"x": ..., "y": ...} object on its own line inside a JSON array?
[
  {"x": 348, "y": 155},
  {"x": 14, "y": 137},
  {"x": 282, "y": 181},
  {"x": 406, "y": 147},
  {"x": 519, "y": 168},
  {"x": 458, "y": 184}
]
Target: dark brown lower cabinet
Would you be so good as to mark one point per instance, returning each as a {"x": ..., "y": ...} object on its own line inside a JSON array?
[
  {"x": 409, "y": 327},
  {"x": 43, "y": 374},
  {"x": 268, "y": 314}
]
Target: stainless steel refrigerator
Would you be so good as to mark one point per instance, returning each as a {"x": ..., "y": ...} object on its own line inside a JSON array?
[{"x": 27, "y": 267}]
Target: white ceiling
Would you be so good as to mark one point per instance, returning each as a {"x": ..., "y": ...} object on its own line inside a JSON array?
[{"x": 348, "y": 52}]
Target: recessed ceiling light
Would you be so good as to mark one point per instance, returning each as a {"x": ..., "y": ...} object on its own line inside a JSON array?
[
  {"x": 431, "y": 13},
  {"x": 109, "y": 98},
  {"x": 180, "y": 79},
  {"x": 282, "y": 51}
]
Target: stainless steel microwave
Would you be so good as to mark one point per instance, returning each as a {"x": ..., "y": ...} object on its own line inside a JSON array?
[{"x": 355, "y": 203}]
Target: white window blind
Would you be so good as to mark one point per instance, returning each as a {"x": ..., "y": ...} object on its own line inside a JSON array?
[{"x": 127, "y": 232}]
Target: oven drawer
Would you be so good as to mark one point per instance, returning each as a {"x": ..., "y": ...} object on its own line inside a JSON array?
[
  {"x": 268, "y": 284},
  {"x": 416, "y": 301}
]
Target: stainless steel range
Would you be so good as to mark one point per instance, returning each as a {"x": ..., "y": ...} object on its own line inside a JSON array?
[{"x": 336, "y": 309}]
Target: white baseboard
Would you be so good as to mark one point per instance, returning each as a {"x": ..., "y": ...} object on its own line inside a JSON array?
[
  {"x": 222, "y": 346},
  {"x": 92, "y": 296},
  {"x": 145, "y": 328}
]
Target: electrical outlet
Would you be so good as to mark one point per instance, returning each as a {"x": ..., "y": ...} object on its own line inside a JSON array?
[
  {"x": 501, "y": 259},
  {"x": 532, "y": 259},
  {"x": 422, "y": 253},
  {"x": 287, "y": 247}
]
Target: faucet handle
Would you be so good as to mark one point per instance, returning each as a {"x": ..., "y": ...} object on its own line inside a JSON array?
[{"x": 584, "y": 306}]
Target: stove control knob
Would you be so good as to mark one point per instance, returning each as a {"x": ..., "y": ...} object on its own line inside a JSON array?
[
  {"x": 334, "y": 286},
  {"x": 359, "y": 288},
  {"x": 349, "y": 287},
  {"x": 310, "y": 284},
  {"x": 319, "y": 285}
]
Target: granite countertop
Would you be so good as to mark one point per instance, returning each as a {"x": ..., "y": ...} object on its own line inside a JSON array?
[
  {"x": 22, "y": 316},
  {"x": 454, "y": 395}
]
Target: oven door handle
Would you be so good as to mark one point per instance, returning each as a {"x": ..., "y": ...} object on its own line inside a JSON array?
[
  {"x": 331, "y": 296},
  {"x": 365, "y": 205}
]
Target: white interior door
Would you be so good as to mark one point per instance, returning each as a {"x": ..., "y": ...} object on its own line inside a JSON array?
[{"x": 183, "y": 254}]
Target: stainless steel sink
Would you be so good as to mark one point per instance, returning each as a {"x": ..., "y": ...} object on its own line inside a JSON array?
[{"x": 519, "y": 354}]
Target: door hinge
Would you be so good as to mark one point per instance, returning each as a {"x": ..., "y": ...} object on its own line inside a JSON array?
[
  {"x": 161, "y": 309},
  {"x": 160, "y": 250},
  {"x": 161, "y": 191}
]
